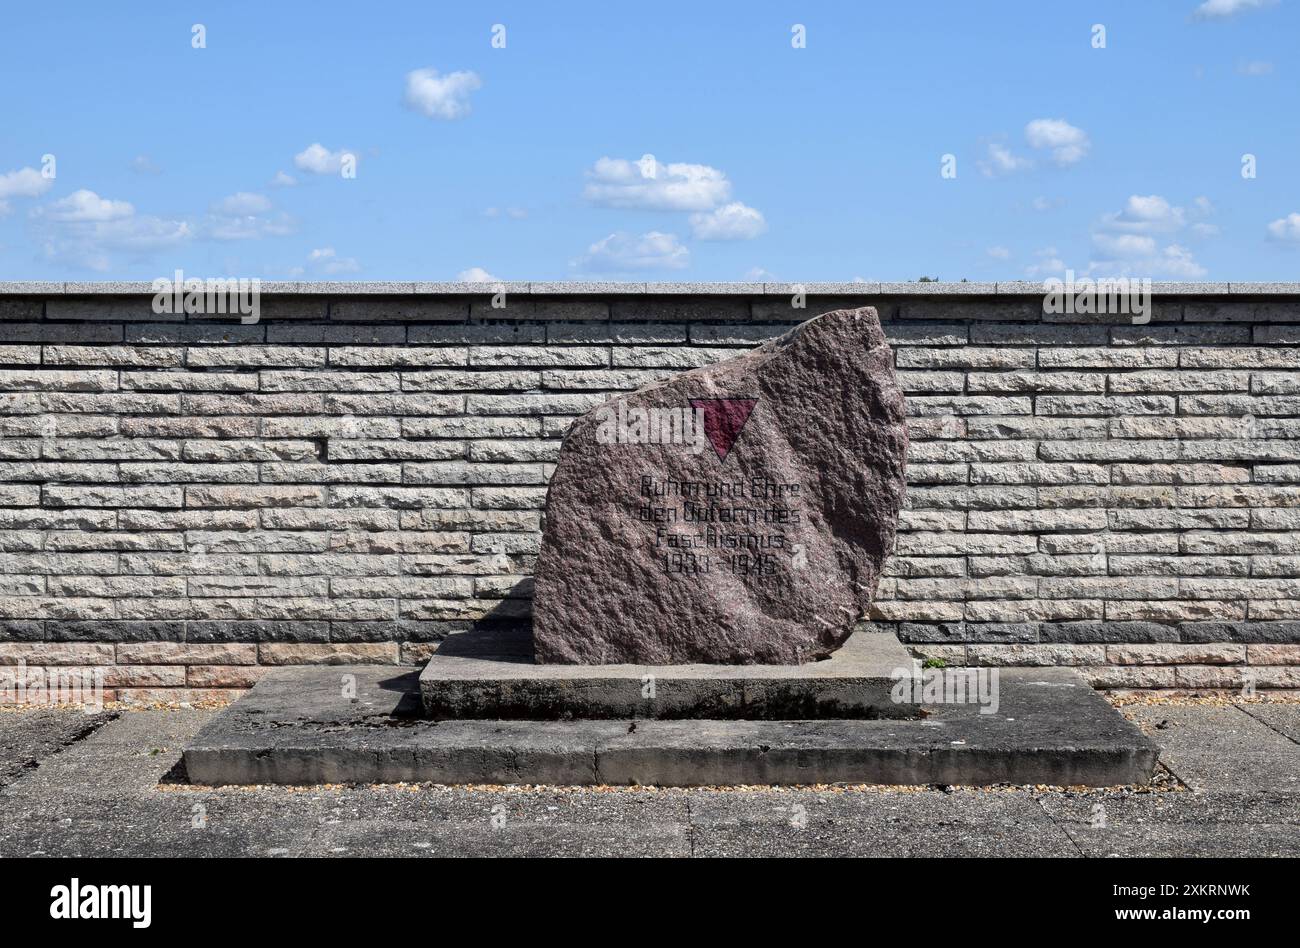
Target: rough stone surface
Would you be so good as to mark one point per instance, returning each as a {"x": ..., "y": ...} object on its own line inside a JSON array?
[
  {"x": 757, "y": 535},
  {"x": 492, "y": 675},
  {"x": 297, "y": 727}
]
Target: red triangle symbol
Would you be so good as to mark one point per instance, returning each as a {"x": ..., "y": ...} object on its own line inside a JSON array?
[{"x": 723, "y": 419}]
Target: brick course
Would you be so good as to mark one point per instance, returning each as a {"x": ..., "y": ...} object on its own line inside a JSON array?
[{"x": 358, "y": 475}]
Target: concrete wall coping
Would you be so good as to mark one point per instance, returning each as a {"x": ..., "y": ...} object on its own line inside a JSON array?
[{"x": 569, "y": 289}]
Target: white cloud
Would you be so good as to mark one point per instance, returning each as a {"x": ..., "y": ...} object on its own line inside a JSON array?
[
  {"x": 734, "y": 221},
  {"x": 248, "y": 227},
  {"x": 1140, "y": 255},
  {"x": 760, "y": 275},
  {"x": 1044, "y": 204},
  {"x": 246, "y": 216},
  {"x": 85, "y": 205},
  {"x": 1067, "y": 143},
  {"x": 317, "y": 159},
  {"x": 1285, "y": 229},
  {"x": 1125, "y": 245},
  {"x": 514, "y": 213},
  {"x": 241, "y": 203},
  {"x": 441, "y": 97},
  {"x": 1141, "y": 239},
  {"x": 1176, "y": 260},
  {"x": 999, "y": 253},
  {"x": 1049, "y": 263},
  {"x": 1153, "y": 214},
  {"x": 283, "y": 180},
  {"x": 85, "y": 230},
  {"x": 1001, "y": 160},
  {"x": 1144, "y": 214},
  {"x": 325, "y": 260},
  {"x": 476, "y": 275},
  {"x": 143, "y": 164},
  {"x": 621, "y": 252},
  {"x": 1221, "y": 9},
  {"x": 1255, "y": 67},
  {"x": 25, "y": 182},
  {"x": 648, "y": 184}
]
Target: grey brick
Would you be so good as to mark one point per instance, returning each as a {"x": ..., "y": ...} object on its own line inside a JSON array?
[
  {"x": 547, "y": 404},
  {"x": 516, "y": 450},
  {"x": 80, "y": 333},
  {"x": 182, "y": 381},
  {"x": 255, "y": 356},
  {"x": 1029, "y": 334},
  {"x": 261, "y": 496},
  {"x": 22, "y": 630},
  {"x": 1182, "y": 381},
  {"x": 964, "y": 357},
  {"x": 1107, "y": 632},
  {"x": 336, "y": 471},
  {"x": 978, "y": 382},
  {"x": 257, "y": 631},
  {"x": 599, "y": 380},
  {"x": 20, "y": 355},
  {"x": 315, "y": 381},
  {"x": 193, "y": 334},
  {"x": 190, "y": 426},
  {"x": 1105, "y": 406},
  {"x": 699, "y": 309},
  {"x": 462, "y": 381},
  {"x": 58, "y": 380},
  {"x": 341, "y": 449},
  {"x": 532, "y": 356},
  {"x": 314, "y": 335},
  {"x": 648, "y": 357},
  {"x": 100, "y": 496},
  {"x": 399, "y": 497},
  {"x": 398, "y": 308},
  {"x": 399, "y": 357},
  {"x": 1260, "y": 632},
  {"x": 454, "y": 472},
  {"x": 510, "y": 333},
  {"x": 969, "y": 405},
  {"x": 151, "y": 356}
]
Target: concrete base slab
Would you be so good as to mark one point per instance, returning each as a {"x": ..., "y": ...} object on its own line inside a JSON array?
[
  {"x": 491, "y": 675},
  {"x": 361, "y": 724}
]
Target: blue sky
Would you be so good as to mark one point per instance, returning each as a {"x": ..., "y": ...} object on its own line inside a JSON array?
[{"x": 770, "y": 162}]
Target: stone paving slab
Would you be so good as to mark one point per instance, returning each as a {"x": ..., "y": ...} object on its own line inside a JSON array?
[
  {"x": 1222, "y": 747},
  {"x": 1191, "y": 807},
  {"x": 295, "y": 727},
  {"x": 1283, "y": 718},
  {"x": 126, "y": 757},
  {"x": 1186, "y": 839},
  {"x": 158, "y": 823},
  {"x": 28, "y": 737},
  {"x": 874, "y": 824},
  {"x": 491, "y": 675},
  {"x": 371, "y": 838}
]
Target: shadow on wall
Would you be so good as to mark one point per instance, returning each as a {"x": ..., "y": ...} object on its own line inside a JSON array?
[{"x": 505, "y": 631}]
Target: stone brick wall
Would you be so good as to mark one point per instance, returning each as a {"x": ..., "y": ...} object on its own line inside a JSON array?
[{"x": 189, "y": 501}]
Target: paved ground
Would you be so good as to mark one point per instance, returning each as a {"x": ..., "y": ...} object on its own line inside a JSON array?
[{"x": 72, "y": 784}]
